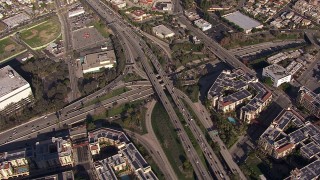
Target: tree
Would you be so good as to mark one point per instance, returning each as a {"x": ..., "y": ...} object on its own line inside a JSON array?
[{"x": 267, "y": 81}]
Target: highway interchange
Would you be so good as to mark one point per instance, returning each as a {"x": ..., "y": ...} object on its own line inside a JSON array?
[{"x": 132, "y": 41}]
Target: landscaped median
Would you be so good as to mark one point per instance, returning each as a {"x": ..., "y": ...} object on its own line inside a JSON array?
[
  {"x": 42, "y": 34},
  {"x": 170, "y": 142}
]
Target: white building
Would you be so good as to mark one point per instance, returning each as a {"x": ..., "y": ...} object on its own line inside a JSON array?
[
  {"x": 13, "y": 87},
  {"x": 76, "y": 12},
  {"x": 162, "y": 31},
  {"x": 243, "y": 21},
  {"x": 95, "y": 61},
  {"x": 277, "y": 73},
  {"x": 119, "y": 3},
  {"x": 202, "y": 24}
]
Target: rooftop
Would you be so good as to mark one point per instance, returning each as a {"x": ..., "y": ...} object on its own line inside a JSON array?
[
  {"x": 99, "y": 59},
  {"x": 276, "y": 71},
  {"x": 161, "y": 29},
  {"x": 241, "y": 20},
  {"x": 10, "y": 80}
]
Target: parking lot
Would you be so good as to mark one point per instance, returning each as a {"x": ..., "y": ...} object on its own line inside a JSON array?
[
  {"x": 87, "y": 37},
  {"x": 218, "y": 28}
]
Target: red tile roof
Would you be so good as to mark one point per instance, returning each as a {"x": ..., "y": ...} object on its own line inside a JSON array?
[{"x": 285, "y": 147}]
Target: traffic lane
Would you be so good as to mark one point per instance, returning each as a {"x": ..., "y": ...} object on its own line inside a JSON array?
[
  {"x": 147, "y": 68},
  {"x": 50, "y": 121},
  {"x": 195, "y": 129},
  {"x": 30, "y": 126}
]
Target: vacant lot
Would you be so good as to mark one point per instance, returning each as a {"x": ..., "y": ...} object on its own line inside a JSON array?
[
  {"x": 8, "y": 48},
  {"x": 42, "y": 33}
]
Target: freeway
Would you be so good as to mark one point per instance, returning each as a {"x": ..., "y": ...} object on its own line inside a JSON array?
[
  {"x": 50, "y": 122},
  {"x": 258, "y": 48},
  {"x": 217, "y": 169},
  {"x": 215, "y": 48},
  {"x": 120, "y": 26},
  {"x": 206, "y": 121}
]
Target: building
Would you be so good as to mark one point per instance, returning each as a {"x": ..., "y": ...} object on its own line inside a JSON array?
[
  {"x": 120, "y": 4},
  {"x": 162, "y": 31},
  {"x": 289, "y": 131},
  {"x": 237, "y": 88},
  {"x": 65, "y": 175},
  {"x": 52, "y": 153},
  {"x": 192, "y": 16},
  {"x": 14, "y": 91},
  {"x": 76, "y": 12},
  {"x": 138, "y": 15},
  {"x": 16, "y": 20},
  {"x": 309, "y": 100},
  {"x": 277, "y": 73},
  {"x": 128, "y": 157},
  {"x": 13, "y": 164},
  {"x": 309, "y": 172},
  {"x": 243, "y": 21},
  {"x": 202, "y": 24},
  {"x": 94, "y": 62}
]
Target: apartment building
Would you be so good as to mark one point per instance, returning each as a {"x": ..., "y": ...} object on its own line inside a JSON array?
[
  {"x": 54, "y": 153},
  {"x": 13, "y": 164},
  {"x": 309, "y": 100},
  {"x": 290, "y": 131},
  {"x": 233, "y": 89},
  {"x": 15, "y": 91},
  {"x": 127, "y": 159}
]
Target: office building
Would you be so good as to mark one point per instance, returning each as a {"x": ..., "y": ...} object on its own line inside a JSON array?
[
  {"x": 94, "y": 62},
  {"x": 162, "y": 31},
  {"x": 202, "y": 24},
  {"x": 309, "y": 100},
  {"x": 14, "y": 90},
  {"x": 277, "y": 73}
]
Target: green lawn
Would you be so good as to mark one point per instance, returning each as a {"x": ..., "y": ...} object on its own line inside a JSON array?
[
  {"x": 41, "y": 34},
  {"x": 192, "y": 91},
  {"x": 131, "y": 77},
  {"x": 170, "y": 142},
  {"x": 111, "y": 94},
  {"x": 9, "y": 48},
  {"x": 102, "y": 28}
]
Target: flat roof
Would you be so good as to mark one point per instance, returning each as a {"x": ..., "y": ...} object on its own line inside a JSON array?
[
  {"x": 242, "y": 20},
  {"x": 16, "y": 19},
  {"x": 99, "y": 59},
  {"x": 10, "y": 80},
  {"x": 162, "y": 30}
]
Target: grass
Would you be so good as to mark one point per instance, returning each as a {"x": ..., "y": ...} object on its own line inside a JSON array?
[
  {"x": 113, "y": 93},
  {"x": 250, "y": 168},
  {"x": 8, "y": 42},
  {"x": 192, "y": 91},
  {"x": 102, "y": 28},
  {"x": 170, "y": 142},
  {"x": 41, "y": 34},
  {"x": 191, "y": 57},
  {"x": 131, "y": 77}
]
